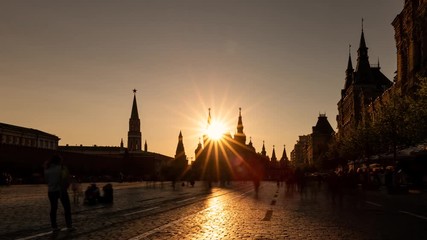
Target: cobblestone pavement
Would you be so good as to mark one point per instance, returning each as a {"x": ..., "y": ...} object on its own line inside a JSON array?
[{"x": 235, "y": 211}]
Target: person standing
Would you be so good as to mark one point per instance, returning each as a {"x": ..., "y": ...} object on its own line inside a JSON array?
[{"x": 56, "y": 176}]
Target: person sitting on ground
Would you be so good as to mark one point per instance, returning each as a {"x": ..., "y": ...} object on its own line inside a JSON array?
[
  {"x": 92, "y": 194},
  {"x": 108, "y": 193}
]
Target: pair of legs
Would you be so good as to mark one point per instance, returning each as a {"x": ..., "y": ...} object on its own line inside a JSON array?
[{"x": 65, "y": 200}]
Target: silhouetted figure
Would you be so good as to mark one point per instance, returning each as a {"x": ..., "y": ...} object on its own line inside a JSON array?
[
  {"x": 56, "y": 176},
  {"x": 290, "y": 182},
  {"x": 92, "y": 194},
  {"x": 300, "y": 179},
  {"x": 76, "y": 188},
  {"x": 335, "y": 182},
  {"x": 107, "y": 196},
  {"x": 256, "y": 185}
]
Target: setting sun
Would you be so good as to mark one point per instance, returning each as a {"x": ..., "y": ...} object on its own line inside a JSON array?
[{"x": 216, "y": 130}]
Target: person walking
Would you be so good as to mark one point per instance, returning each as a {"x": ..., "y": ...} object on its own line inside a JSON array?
[{"x": 56, "y": 176}]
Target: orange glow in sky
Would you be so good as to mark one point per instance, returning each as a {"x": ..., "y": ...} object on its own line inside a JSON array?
[
  {"x": 68, "y": 67},
  {"x": 216, "y": 130}
]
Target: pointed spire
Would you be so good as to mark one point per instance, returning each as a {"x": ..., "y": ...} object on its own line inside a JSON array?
[
  {"x": 273, "y": 155},
  {"x": 349, "y": 71},
  {"x": 145, "y": 146},
  {"x": 134, "y": 133},
  {"x": 240, "y": 135},
  {"x": 284, "y": 155},
  {"x": 362, "y": 44},
  {"x": 362, "y": 55},
  {"x": 263, "y": 152},
  {"x": 180, "y": 152},
  {"x": 209, "y": 117},
  {"x": 134, "y": 114},
  {"x": 349, "y": 64},
  {"x": 240, "y": 122}
]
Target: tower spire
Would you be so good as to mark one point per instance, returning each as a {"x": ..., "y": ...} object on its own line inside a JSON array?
[
  {"x": 134, "y": 133},
  {"x": 362, "y": 54},
  {"x": 349, "y": 71},
  {"x": 180, "y": 151},
  {"x": 263, "y": 152},
  {"x": 134, "y": 113},
  {"x": 240, "y": 135},
  {"x": 284, "y": 155},
  {"x": 349, "y": 64},
  {"x": 273, "y": 155},
  {"x": 209, "y": 117}
]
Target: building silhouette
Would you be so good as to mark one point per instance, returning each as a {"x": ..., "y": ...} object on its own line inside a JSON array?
[
  {"x": 322, "y": 134},
  {"x": 229, "y": 158},
  {"x": 133, "y": 162},
  {"x": 29, "y": 137},
  {"x": 309, "y": 151},
  {"x": 361, "y": 86},
  {"x": 24, "y": 150},
  {"x": 299, "y": 156}
]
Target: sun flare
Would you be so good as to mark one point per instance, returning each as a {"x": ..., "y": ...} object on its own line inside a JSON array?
[{"x": 216, "y": 130}]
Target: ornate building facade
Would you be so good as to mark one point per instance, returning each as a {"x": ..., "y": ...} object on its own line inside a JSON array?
[
  {"x": 410, "y": 28},
  {"x": 362, "y": 86}
]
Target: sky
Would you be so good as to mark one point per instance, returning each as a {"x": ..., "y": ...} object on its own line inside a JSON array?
[{"x": 69, "y": 67}]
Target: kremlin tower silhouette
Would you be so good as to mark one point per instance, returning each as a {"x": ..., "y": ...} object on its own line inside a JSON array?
[{"x": 134, "y": 134}]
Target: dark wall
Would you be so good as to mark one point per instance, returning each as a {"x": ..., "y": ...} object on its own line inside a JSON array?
[{"x": 26, "y": 164}]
